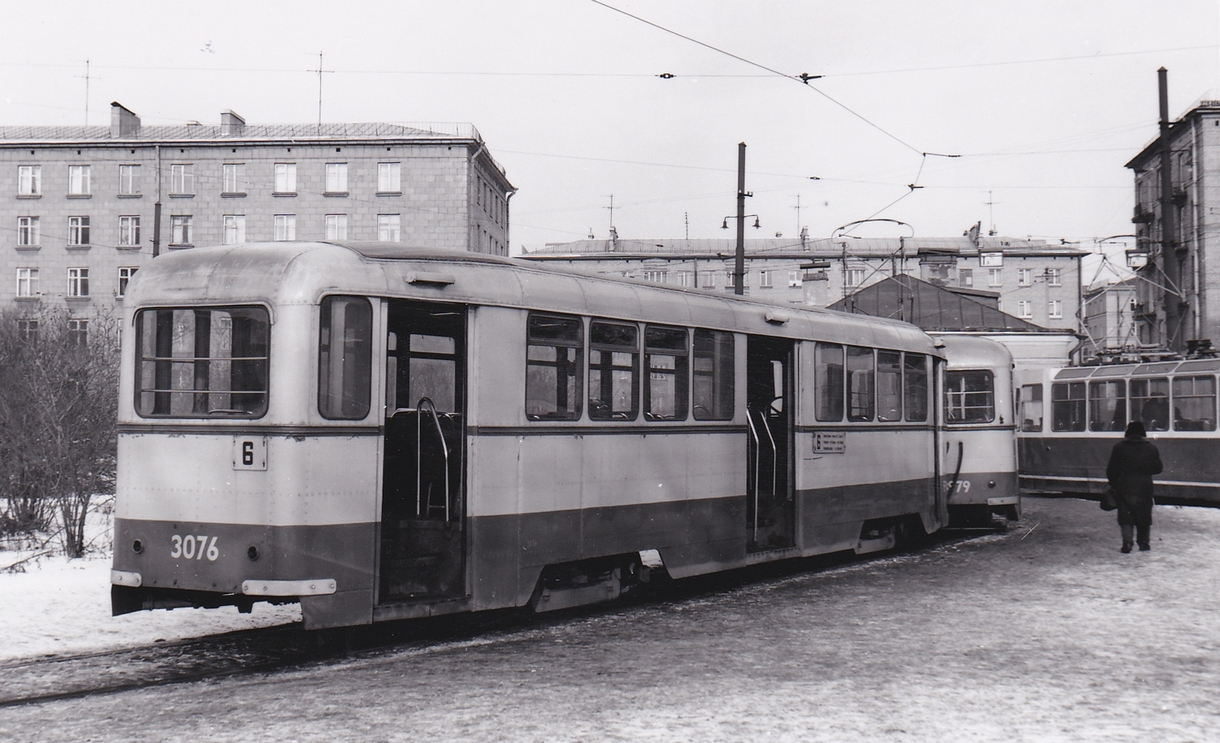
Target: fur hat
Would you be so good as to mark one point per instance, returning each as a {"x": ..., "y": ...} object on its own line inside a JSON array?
[{"x": 1135, "y": 429}]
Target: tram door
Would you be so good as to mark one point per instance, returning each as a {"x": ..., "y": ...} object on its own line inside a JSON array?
[
  {"x": 770, "y": 507},
  {"x": 423, "y": 539}
]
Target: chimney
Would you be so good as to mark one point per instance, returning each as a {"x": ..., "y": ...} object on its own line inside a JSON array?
[
  {"x": 123, "y": 123},
  {"x": 231, "y": 125}
]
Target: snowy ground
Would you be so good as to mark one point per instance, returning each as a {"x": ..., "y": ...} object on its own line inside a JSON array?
[{"x": 52, "y": 605}]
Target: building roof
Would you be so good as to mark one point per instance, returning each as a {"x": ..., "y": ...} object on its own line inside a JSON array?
[
  {"x": 269, "y": 132},
  {"x": 781, "y": 247},
  {"x": 931, "y": 307}
]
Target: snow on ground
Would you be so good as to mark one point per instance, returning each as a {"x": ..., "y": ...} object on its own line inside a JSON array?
[{"x": 52, "y": 605}]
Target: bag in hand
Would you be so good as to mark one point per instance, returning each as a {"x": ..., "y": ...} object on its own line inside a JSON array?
[{"x": 1108, "y": 503}]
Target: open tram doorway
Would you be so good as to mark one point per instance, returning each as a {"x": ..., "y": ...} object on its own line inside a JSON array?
[
  {"x": 770, "y": 506},
  {"x": 423, "y": 507}
]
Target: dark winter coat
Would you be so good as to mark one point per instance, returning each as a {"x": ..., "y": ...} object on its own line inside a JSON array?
[{"x": 1133, "y": 462}]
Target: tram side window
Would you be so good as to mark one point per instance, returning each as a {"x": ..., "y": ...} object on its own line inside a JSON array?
[
  {"x": 665, "y": 386},
  {"x": 1067, "y": 406},
  {"x": 614, "y": 366},
  {"x": 1150, "y": 403},
  {"x": 861, "y": 384},
  {"x": 1194, "y": 404},
  {"x": 1108, "y": 405},
  {"x": 969, "y": 396},
  {"x": 889, "y": 386},
  {"x": 345, "y": 358},
  {"x": 713, "y": 375},
  {"x": 202, "y": 362},
  {"x": 553, "y": 367},
  {"x": 1030, "y": 396},
  {"x": 915, "y": 386},
  {"x": 828, "y": 371}
]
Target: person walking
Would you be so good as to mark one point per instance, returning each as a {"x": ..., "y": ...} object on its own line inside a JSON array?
[{"x": 1133, "y": 462}]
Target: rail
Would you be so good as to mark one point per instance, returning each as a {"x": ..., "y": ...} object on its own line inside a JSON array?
[{"x": 419, "y": 461}]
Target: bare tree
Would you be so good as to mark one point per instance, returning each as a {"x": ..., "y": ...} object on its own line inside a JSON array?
[{"x": 58, "y": 393}]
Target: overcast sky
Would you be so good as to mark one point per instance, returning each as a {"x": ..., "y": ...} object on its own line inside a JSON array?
[{"x": 1044, "y": 101}]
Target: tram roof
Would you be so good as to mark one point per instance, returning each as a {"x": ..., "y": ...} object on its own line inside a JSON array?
[
  {"x": 974, "y": 352},
  {"x": 286, "y": 273},
  {"x": 1150, "y": 369}
]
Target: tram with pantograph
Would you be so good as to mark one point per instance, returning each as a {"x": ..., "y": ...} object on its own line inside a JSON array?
[{"x": 383, "y": 432}]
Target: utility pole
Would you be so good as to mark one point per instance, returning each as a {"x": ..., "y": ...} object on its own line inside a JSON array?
[
  {"x": 739, "y": 263},
  {"x": 1169, "y": 242}
]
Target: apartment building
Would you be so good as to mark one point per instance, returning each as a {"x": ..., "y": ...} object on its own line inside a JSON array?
[
  {"x": 83, "y": 208},
  {"x": 1036, "y": 281}
]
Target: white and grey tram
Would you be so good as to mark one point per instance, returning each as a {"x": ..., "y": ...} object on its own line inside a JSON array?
[
  {"x": 1071, "y": 417},
  {"x": 980, "y": 431},
  {"x": 381, "y": 432}
]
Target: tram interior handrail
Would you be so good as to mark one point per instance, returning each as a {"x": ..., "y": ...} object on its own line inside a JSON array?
[
  {"x": 426, "y": 403},
  {"x": 757, "y": 464}
]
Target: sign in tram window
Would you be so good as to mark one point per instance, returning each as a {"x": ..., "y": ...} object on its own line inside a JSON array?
[
  {"x": 1194, "y": 403},
  {"x": 201, "y": 362},
  {"x": 1150, "y": 403},
  {"x": 915, "y": 386},
  {"x": 667, "y": 360},
  {"x": 553, "y": 368},
  {"x": 1108, "y": 405},
  {"x": 1067, "y": 406},
  {"x": 889, "y": 386},
  {"x": 860, "y": 384},
  {"x": 1030, "y": 407},
  {"x": 713, "y": 375},
  {"x": 969, "y": 396},
  {"x": 614, "y": 364},
  {"x": 345, "y": 358},
  {"x": 828, "y": 373}
]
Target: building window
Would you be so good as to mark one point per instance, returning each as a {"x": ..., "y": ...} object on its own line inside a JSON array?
[
  {"x": 656, "y": 276},
  {"x": 995, "y": 277},
  {"x": 78, "y": 332},
  {"x": 234, "y": 229},
  {"x": 965, "y": 277},
  {"x": 129, "y": 180},
  {"x": 1054, "y": 276},
  {"x": 182, "y": 179},
  {"x": 389, "y": 228},
  {"x": 78, "y": 180},
  {"x": 125, "y": 274},
  {"x": 684, "y": 278},
  {"x": 854, "y": 277},
  {"x": 78, "y": 231},
  {"x": 28, "y": 330},
  {"x": 78, "y": 282},
  {"x": 180, "y": 229},
  {"x": 129, "y": 231},
  {"x": 389, "y": 177},
  {"x": 1025, "y": 309},
  {"x": 285, "y": 227},
  {"x": 707, "y": 279},
  {"x": 286, "y": 178},
  {"x": 1025, "y": 276},
  {"x": 336, "y": 226},
  {"x": 28, "y": 232},
  {"x": 765, "y": 279},
  {"x": 27, "y": 282},
  {"x": 233, "y": 175},
  {"x": 794, "y": 279},
  {"x": 1055, "y": 309},
  {"x": 336, "y": 177},
  {"x": 29, "y": 180}
]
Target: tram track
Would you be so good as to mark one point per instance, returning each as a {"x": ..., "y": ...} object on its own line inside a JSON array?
[{"x": 25, "y": 681}]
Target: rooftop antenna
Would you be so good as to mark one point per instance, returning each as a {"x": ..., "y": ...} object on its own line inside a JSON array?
[
  {"x": 686, "y": 216},
  {"x": 990, "y": 215},
  {"x": 798, "y": 213},
  {"x": 320, "y": 71},
  {"x": 611, "y": 208},
  {"x": 86, "y": 92}
]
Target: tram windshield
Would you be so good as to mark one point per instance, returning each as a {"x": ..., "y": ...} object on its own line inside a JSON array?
[
  {"x": 969, "y": 396},
  {"x": 202, "y": 362}
]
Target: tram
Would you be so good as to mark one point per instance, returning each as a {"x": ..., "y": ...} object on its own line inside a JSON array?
[
  {"x": 980, "y": 431},
  {"x": 1070, "y": 418},
  {"x": 383, "y": 432}
]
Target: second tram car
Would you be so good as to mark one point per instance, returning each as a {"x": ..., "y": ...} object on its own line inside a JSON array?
[
  {"x": 380, "y": 432},
  {"x": 1070, "y": 418},
  {"x": 980, "y": 431}
]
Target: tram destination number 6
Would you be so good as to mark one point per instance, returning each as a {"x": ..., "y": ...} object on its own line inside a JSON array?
[{"x": 194, "y": 547}]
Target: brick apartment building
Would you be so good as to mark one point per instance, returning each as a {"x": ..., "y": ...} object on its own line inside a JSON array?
[{"x": 83, "y": 208}]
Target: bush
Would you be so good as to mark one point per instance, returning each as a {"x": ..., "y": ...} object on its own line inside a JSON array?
[{"x": 58, "y": 403}]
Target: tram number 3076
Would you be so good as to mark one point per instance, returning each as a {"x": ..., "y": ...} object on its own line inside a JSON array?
[{"x": 193, "y": 547}]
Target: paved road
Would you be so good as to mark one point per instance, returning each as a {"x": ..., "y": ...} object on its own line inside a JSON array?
[{"x": 1045, "y": 632}]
